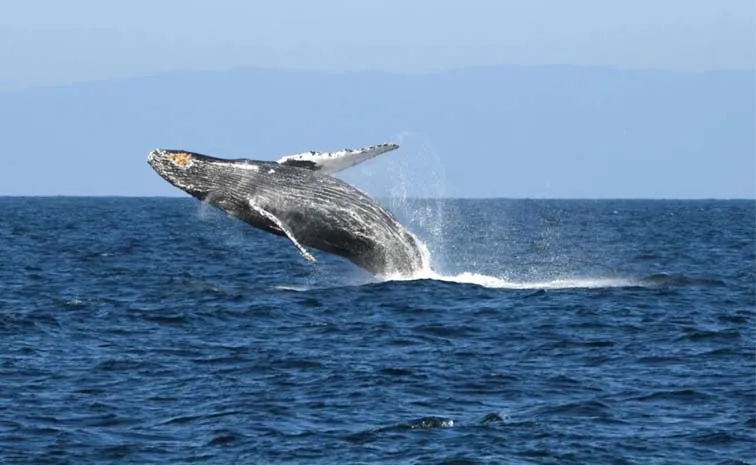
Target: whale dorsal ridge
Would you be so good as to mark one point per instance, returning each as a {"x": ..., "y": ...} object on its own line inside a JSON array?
[{"x": 333, "y": 162}]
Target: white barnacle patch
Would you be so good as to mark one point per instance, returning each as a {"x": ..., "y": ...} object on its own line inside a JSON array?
[{"x": 248, "y": 166}]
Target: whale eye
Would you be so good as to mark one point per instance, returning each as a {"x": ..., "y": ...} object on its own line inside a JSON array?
[{"x": 182, "y": 159}]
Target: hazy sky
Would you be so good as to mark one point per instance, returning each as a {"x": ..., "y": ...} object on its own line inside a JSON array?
[
  {"x": 706, "y": 152},
  {"x": 56, "y": 42}
]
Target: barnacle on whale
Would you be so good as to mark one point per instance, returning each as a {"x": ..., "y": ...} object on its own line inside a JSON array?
[{"x": 182, "y": 159}]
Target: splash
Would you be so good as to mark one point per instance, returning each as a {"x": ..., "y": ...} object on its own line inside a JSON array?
[
  {"x": 495, "y": 282},
  {"x": 417, "y": 194},
  {"x": 421, "y": 175}
]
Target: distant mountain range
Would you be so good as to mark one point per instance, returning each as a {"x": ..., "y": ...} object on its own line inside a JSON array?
[{"x": 506, "y": 131}]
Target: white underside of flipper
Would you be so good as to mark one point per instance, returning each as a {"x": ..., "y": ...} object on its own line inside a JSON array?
[
  {"x": 333, "y": 162},
  {"x": 270, "y": 216}
]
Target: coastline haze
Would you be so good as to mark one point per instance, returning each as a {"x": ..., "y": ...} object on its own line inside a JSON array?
[{"x": 86, "y": 40}]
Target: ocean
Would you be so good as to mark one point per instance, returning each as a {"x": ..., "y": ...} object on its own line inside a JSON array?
[{"x": 158, "y": 330}]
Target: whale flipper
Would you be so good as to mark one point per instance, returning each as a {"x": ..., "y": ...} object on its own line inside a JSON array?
[
  {"x": 270, "y": 216},
  {"x": 333, "y": 162}
]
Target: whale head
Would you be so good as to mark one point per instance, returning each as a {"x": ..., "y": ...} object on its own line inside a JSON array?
[{"x": 196, "y": 174}]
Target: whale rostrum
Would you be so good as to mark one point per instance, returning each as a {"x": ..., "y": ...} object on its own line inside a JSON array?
[{"x": 297, "y": 197}]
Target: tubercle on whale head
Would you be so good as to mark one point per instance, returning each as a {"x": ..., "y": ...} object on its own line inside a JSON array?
[
  {"x": 178, "y": 158},
  {"x": 182, "y": 159},
  {"x": 197, "y": 174},
  {"x": 186, "y": 170}
]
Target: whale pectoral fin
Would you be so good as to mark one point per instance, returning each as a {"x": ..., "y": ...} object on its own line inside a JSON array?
[
  {"x": 273, "y": 218},
  {"x": 333, "y": 162}
]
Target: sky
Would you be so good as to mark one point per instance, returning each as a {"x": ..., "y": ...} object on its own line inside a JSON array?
[{"x": 52, "y": 42}]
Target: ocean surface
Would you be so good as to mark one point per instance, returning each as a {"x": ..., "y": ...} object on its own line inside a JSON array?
[{"x": 158, "y": 330}]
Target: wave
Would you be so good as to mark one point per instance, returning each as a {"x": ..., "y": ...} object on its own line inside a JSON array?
[
  {"x": 496, "y": 282},
  {"x": 431, "y": 423}
]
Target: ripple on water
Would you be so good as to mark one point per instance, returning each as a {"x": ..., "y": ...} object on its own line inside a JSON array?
[{"x": 144, "y": 333}]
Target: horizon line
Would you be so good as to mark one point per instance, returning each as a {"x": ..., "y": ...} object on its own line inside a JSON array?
[{"x": 323, "y": 71}]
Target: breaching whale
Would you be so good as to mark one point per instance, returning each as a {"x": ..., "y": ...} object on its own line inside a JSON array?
[{"x": 297, "y": 197}]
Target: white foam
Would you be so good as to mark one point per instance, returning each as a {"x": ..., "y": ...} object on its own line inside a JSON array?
[
  {"x": 496, "y": 282},
  {"x": 491, "y": 282},
  {"x": 293, "y": 288}
]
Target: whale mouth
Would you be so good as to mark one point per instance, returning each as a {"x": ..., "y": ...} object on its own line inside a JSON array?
[
  {"x": 153, "y": 155},
  {"x": 156, "y": 158}
]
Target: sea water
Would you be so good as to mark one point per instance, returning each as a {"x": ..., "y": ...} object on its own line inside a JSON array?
[{"x": 559, "y": 332}]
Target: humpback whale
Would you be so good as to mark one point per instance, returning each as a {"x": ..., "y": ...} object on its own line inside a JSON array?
[{"x": 299, "y": 198}]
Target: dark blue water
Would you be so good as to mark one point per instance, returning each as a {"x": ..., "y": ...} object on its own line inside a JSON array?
[{"x": 558, "y": 332}]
